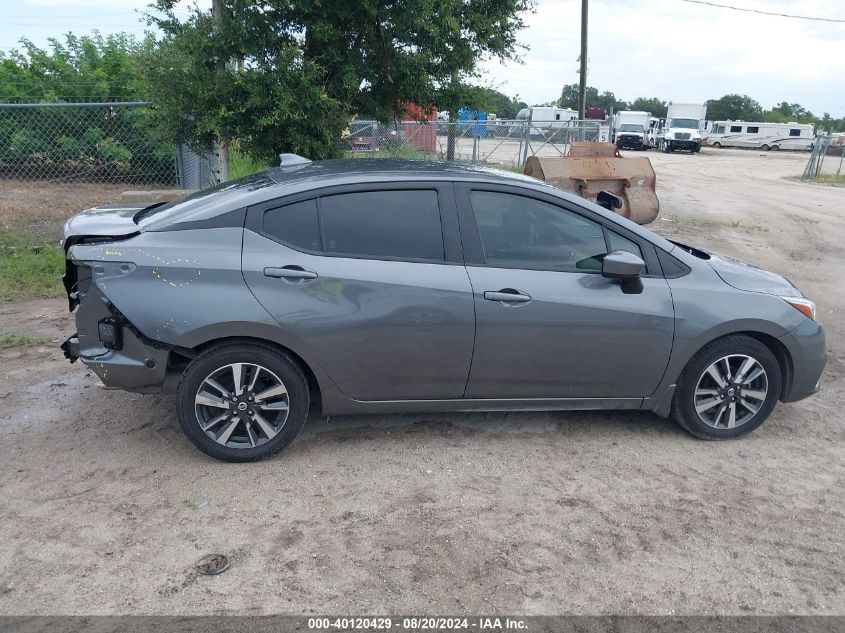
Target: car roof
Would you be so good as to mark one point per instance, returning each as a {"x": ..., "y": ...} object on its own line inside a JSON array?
[{"x": 381, "y": 169}]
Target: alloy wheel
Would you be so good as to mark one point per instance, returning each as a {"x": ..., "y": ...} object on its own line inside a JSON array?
[
  {"x": 731, "y": 391},
  {"x": 242, "y": 405}
]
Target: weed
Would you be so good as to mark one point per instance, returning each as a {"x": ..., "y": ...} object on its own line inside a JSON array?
[
  {"x": 29, "y": 267},
  {"x": 11, "y": 339}
]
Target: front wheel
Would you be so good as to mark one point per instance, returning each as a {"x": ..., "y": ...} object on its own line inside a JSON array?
[
  {"x": 241, "y": 402},
  {"x": 717, "y": 145},
  {"x": 728, "y": 388}
]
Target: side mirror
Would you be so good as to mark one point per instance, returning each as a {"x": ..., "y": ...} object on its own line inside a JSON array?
[{"x": 622, "y": 265}]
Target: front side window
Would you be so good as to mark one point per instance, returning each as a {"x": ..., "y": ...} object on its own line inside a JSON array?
[
  {"x": 736, "y": 128},
  {"x": 522, "y": 232},
  {"x": 402, "y": 224},
  {"x": 753, "y": 129}
]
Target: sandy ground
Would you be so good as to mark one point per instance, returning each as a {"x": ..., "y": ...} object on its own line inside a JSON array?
[{"x": 105, "y": 506}]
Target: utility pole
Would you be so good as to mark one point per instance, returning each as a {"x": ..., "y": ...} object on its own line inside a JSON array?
[
  {"x": 453, "y": 117},
  {"x": 222, "y": 139},
  {"x": 582, "y": 86}
]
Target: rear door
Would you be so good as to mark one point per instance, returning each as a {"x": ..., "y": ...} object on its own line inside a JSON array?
[
  {"x": 548, "y": 324},
  {"x": 371, "y": 282}
]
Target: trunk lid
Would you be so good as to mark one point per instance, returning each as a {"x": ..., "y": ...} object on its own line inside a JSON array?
[
  {"x": 111, "y": 221},
  {"x": 101, "y": 224}
]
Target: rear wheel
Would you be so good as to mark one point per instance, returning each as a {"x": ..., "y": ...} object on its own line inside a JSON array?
[
  {"x": 728, "y": 388},
  {"x": 764, "y": 147},
  {"x": 775, "y": 148},
  {"x": 241, "y": 402}
]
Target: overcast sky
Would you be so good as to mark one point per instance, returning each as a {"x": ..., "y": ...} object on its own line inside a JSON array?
[{"x": 670, "y": 49}]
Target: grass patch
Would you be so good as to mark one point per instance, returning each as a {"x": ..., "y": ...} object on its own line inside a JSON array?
[
  {"x": 243, "y": 165},
  {"x": 830, "y": 179},
  {"x": 30, "y": 267},
  {"x": 10, "y": 339}
]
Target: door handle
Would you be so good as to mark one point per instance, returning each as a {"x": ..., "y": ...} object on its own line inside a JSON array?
[
  {"x": 293, "y": 273},
  {"x": 507, "y": 295}
]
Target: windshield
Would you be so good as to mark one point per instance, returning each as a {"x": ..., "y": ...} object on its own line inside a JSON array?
[
  {"x": 687, "y": 124},
  {"x": 631, "y": 127}
]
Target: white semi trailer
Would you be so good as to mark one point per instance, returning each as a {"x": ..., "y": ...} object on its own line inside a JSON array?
[{"x": 684, "y": 127}]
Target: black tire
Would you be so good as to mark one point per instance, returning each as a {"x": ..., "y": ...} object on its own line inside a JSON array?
[
  {"x": 683, "y": 406},
  {"x": 276, "y": 365},
  {"x": 717, "y": 145},
  {"x": 764, "y": 147},
  {"x": 775, "y": 148}
]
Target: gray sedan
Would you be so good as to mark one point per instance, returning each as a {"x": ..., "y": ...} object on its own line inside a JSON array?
[{"x": 378, "y": 286}]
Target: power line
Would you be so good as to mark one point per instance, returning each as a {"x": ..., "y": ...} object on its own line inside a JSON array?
[{"x": 774, "y": 13}]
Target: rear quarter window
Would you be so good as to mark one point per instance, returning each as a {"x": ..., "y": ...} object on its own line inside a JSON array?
[{"x": 294, "y": 224}]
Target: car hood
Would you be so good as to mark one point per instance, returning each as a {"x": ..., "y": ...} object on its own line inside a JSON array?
[
  {"x": 745, "y": 276},
  {"x": 116, "y": 220}
]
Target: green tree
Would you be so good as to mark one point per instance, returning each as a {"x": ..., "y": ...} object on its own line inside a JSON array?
[
  {"x": 734, "y": 107},
  {"x": 595, "y": 99},
  {"x": 86, "y": 68},
  {"x": 656, "y": 106},
  {"x": 97, "y": 142},
  {"x": 491, "y": 100},
  {"x": 792, "y": 111},
  {"x": 307, "y": 66}
]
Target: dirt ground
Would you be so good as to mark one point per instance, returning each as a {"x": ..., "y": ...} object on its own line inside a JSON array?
[
  {"x": 45, "y": 207},
  {"x": 105, "y": 507}
]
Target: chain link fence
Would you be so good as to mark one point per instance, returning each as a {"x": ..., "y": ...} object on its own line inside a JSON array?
[
  {"x": 827, "y": 160},
  {"x": 99, "y": 142},
  {"x": 504, "y": 143}
]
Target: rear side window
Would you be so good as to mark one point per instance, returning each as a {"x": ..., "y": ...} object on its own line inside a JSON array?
[
  {"x": 794, "y": 132},
  {"x": 736, "y": 128},
  {"x": 753, "y": 129},
  {"x": 403, "y": 224},
  {"x": 294, "y": 224}
]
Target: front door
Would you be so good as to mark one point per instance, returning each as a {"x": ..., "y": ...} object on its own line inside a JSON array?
[
  {"x": 548, "y": 324},
  {"x": 362, "y": 280}
]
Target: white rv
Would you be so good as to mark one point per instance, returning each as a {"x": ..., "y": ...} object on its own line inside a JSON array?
[
  {"x": 684, "y": 127},
  {"x": 543, "y": 117},
  {"x": 765, "y": 136},
  {"x": 630, "y": 129}
]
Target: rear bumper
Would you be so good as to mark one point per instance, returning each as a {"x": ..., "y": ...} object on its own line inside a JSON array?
[{"x": 808, "y": 351}]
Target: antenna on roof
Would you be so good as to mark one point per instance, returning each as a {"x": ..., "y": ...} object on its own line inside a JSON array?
[{"x": 292, "y": 160}]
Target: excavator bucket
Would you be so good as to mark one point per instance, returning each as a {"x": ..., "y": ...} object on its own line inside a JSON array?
[{"x": 597, "y": 172}]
